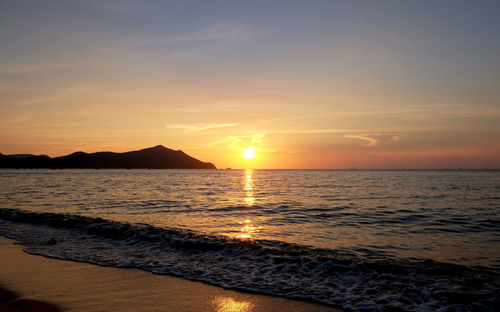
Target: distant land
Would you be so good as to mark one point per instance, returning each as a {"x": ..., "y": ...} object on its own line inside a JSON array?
[{"x": 158, "y": 157}]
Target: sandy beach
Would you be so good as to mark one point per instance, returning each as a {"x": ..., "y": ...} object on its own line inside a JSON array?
[{"x": 74, "y": 286}]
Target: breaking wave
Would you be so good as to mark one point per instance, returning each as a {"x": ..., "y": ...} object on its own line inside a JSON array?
[{"x": 352, "y": 280}]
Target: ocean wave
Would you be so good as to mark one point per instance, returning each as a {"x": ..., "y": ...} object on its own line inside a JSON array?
[{"x": 353, "y": 280}]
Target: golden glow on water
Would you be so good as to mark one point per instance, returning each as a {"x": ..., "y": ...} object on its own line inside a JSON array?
[
  {"x": 247, "y": 226},
  {"x": 247, "y": 229},
  {"x": 226, "y": 304},
  {"x": 122, "y": 196},
  {"x": 248, "y": 188}
]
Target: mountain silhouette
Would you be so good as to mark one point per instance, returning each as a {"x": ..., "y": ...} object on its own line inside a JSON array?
[
  {"x": 158, "y": 157},
  {"x": 21, "y": 156}
]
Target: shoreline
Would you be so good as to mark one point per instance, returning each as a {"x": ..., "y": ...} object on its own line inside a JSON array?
[{"x": 78, "y": 286}]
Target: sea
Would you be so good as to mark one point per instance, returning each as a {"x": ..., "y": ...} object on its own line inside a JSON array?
[{"x": 361, "y": 240}]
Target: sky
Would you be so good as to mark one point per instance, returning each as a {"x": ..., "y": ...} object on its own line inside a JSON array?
[{"x": 308, "y": 84}]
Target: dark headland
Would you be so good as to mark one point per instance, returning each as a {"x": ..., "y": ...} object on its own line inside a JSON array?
[{"x": 158, "y": 157}]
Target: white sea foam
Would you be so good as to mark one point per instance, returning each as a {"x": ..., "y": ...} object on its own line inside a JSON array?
[{"x": 351, "y": 280}]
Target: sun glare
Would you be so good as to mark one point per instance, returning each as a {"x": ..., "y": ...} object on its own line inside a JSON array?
[{"x": 249, "y": 153}]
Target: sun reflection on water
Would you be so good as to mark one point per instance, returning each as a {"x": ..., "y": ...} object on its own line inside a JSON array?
[
  {"x": 248, "y": 188},
  {"x": 248, "y": 228},
  {"x": 226, "y": 304}
]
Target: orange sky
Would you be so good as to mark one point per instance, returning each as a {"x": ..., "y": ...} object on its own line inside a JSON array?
[{"x": 309, "y": 85}]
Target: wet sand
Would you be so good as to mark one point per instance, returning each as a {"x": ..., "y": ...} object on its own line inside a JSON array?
[{"x": 73, "y": 286}]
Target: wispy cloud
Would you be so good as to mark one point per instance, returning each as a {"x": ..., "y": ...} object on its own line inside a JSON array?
[
  {"x": 310, "y": 131},
  {"x": 59, "y": 95},
  {"x": 193, "y": 128},
  {"x": 220, "y": 32},
  {"x": 248, "y": 139},
  {"x": 375, "y": 139},
  {"x": 117, "y": 6},
  {"x": 20, "y": 69},
  {"x": 217, "y": 106}
]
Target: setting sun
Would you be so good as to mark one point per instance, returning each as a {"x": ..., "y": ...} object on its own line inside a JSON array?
[{"x": 249, "y": 153}]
